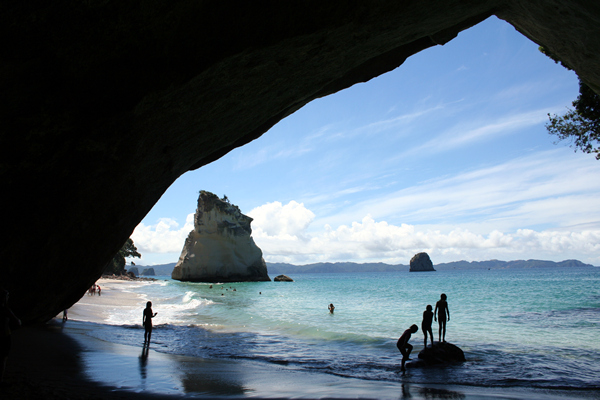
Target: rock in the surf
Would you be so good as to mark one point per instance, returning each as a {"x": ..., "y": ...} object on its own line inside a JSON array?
[
  {"x": 438, "y": 354},
  {"x": 220, "y": 248},
  {"x": 283, "y": 278},
  {"x": 421, "y": 262}
]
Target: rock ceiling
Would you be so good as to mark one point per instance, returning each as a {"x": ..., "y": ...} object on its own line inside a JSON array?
[{"x": 106, "y": 103}]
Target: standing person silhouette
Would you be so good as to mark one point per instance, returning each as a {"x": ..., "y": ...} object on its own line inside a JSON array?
[
  {"x": 441, "y": 309},
  {"x": 403, "y": 345},
  {"x": 426, "y": 324},
  {"x": 147, "y": 322},
  {"x": 331, "y": 308}
]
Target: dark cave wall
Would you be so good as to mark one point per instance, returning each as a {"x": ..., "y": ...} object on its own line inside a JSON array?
[{"x": 106, "y": 103}]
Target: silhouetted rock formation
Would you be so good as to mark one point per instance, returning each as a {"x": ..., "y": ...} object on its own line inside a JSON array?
[
  {"x": 134, "y": 271},
  {"x": 283, "y": 278},
  {"x": 439, "y": 353},
  {"x": 103, "y": 98},
  {"x": 148, "y": 272},
  {"x": 220, "y": 248},
  {"x": 420, "y": 263}
]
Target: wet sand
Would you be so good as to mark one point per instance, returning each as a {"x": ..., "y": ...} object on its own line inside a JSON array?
[{"x": 62, "y": 361}]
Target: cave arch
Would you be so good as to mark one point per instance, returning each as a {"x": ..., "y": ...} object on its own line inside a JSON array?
[{"x": 107, "y": 103}]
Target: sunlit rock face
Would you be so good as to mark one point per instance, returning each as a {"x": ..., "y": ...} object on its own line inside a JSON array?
[
  {"x": 106, "y": 103},
  {"x": 220, "y": 248}
]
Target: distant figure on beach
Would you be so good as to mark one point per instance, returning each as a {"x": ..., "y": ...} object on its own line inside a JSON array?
[
  {"x": 426, "y": 324},
  {"x": 441, "y": 309},
  {"x": 8, "y": 322},
  {"x": 65, "y": 317},
  {"x": 99, "y": 290},
  {"x": 331, "y": 308},
  {"x": 403, "y": 345},
  {"x": 147, "y": 321}
]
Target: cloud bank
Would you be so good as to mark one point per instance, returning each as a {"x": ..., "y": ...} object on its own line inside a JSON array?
[
  {"x": 378, "y": 241},
  {"x": 540, "y": 206},
  {"x": 282, "y": 232}
]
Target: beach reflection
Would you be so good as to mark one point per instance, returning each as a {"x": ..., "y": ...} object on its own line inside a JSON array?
[
  {"x": 114, "y": 365},
  {"x": 144, "y": 363},
  {"x": 211, "y": 378},
  {"x": 428, "y": 393}
]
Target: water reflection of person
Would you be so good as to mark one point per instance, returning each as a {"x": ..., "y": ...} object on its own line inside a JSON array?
[
  {"x": 426, "y": 324},
  {"x": 331, "y": 308},
  {"x": 403, "y": 345},
  {"x": 8, "y": 322},
  {"x": 441, "y": 309},
  {"x": 144, "y": 361},
  {"x": 147, "y": 322}
]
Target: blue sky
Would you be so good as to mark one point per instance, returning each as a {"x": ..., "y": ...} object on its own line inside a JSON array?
[{"x": 446, "y": 154}]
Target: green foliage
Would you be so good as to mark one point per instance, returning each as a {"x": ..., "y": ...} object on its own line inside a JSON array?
[
  {"x": 580, "y": 125},
  {"x": 117, "y": 264}
]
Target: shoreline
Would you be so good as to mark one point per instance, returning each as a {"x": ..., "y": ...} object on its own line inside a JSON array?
[{"x": 62, "y": 360}]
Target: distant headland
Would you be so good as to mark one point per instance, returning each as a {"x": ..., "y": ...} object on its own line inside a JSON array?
[{"x": 351, "y": 267}]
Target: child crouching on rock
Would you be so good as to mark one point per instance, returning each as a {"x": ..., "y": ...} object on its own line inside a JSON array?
[{"x": 403, "y": 345}]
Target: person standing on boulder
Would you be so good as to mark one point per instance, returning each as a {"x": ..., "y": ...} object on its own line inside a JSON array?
[
  {"x": 403, "y": 345},
  {"x": 441, "y": 309},
  {"x": 147, "y": 322},
  {"x": 426, "y": 323}
]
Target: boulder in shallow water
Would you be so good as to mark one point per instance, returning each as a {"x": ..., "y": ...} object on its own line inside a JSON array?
[
  {"x": 283, "y": 278},
  {"x": 439, "y": 353}
]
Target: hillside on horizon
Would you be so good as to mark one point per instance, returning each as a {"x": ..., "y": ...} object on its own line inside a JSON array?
[{"x": 352, "y": 267}]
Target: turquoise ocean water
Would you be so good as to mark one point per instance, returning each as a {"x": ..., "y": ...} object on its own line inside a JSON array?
[{"x": 518, "y": 327}]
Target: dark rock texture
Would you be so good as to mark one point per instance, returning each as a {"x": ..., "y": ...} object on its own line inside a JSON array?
[
  {"x": 283, "y": 278},
  {"x": 148, "y": 272},
  {"x": 105, "y": 103},
  {"x": 134, "y": 270},
  {"x": 421, "y": 263},
  {"x": 438, "y": 354}
]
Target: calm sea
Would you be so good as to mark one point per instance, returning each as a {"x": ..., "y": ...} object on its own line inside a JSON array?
[{"x": 527, "y": 327}]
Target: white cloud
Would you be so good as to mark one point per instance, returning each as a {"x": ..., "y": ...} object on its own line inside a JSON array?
[
  {"x": 475, "y": 131},
  {"x": 371, "y": 240},
  {"x": 540, "y": 206},
  {"x": 164, "y": 237},
  {"x": 282, "y": 232},
  {"x": 548, "y": 187},
  {"x": 277, "y": 220}
]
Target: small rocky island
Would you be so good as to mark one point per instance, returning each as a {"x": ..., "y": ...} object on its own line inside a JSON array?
[
  {"x": 283, "y": 278},
  {"x": 220, "y": 248},
  {"x": 421, "y": 262}
]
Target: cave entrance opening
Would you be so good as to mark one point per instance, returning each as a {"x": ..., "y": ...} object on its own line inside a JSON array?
[{"x": 428, "y": 157}]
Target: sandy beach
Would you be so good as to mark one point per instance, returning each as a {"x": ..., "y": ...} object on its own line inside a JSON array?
[{"x": 63, "y": 361}]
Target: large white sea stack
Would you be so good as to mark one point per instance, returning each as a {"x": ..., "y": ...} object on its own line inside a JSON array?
[{"x": 220, "y": 248}]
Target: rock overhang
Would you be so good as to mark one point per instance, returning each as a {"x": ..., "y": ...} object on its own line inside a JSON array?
[{"x": 107, "y": 103}]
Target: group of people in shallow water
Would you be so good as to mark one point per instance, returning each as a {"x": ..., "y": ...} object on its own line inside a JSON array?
[
  {"x": 95, "y": 289},
  {"x": 441, "y": 314}
]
